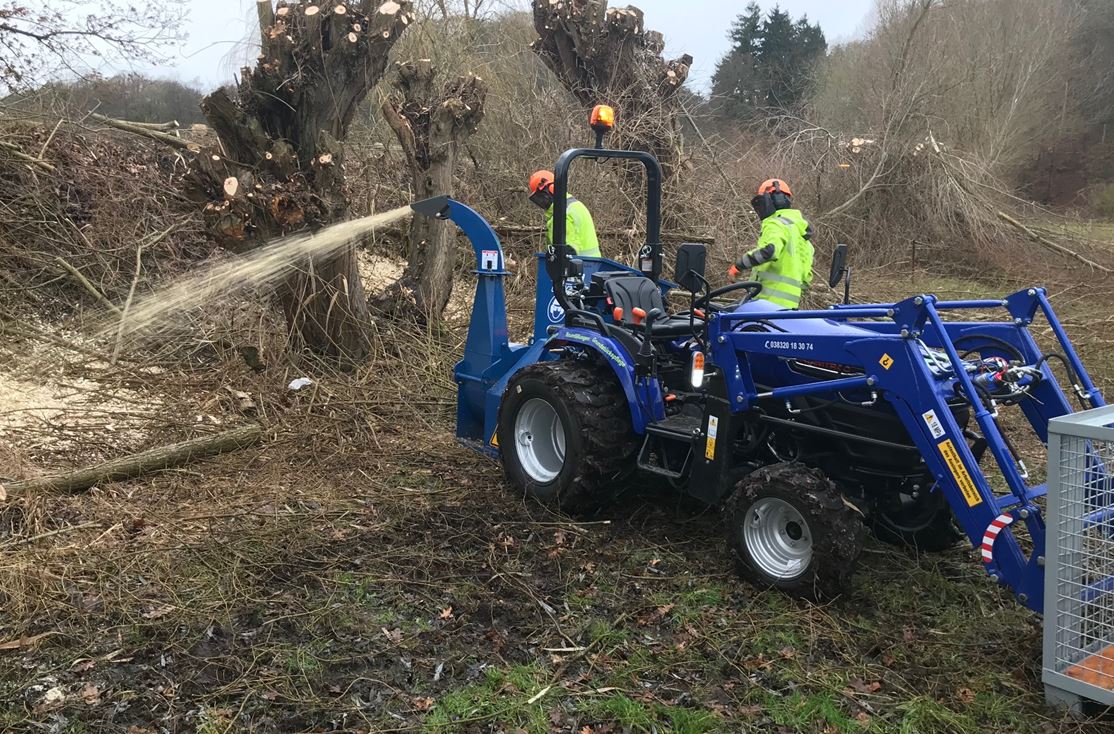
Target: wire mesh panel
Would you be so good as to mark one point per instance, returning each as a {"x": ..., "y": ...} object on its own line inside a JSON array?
[{"x": 1079, "y": 559}]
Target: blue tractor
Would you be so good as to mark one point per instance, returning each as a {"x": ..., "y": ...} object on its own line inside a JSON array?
[{"x": 804, "y": 427}]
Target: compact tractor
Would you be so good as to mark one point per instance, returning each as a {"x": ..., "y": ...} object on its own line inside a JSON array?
[{"x": 803, "y": 426}]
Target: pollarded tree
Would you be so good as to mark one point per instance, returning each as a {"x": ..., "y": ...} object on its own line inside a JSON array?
[
  {"x": 431, "y": 122},
  {"x": 279, "y": 165},
  {"x": 606, "y": 55}
]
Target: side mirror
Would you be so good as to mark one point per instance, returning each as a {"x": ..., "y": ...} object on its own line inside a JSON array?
[
  {"x": 689, "y": 272},
  {"x": 839, "y": 266}
]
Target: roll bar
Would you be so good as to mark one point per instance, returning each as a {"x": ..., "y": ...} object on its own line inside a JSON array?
[{"x": 649, "y": 257}]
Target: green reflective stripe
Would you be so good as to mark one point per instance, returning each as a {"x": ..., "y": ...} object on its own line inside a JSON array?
[{"x": 766, "y": 275}]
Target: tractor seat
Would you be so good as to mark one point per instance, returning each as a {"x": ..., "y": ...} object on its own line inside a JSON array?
[{"x": 635, "y": 291}]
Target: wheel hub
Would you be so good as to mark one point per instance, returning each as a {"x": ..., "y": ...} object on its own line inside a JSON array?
[
  {"x": 778, "y": 538},
  {"x": 540, "y": 440}
]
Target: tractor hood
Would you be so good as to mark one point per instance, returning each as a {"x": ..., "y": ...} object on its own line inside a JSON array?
[{"x": 823, "y": 327}]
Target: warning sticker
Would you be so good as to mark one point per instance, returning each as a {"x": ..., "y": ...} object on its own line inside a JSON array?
[
  {"x": 495, "y": 439},
  {"x": 489, "y": 260},
  {"x": 962, "y": 478},
  {"x": 710, "y": 445},
  {"x": 933, "y": 422},
  {"x": 887, "y": 361}
]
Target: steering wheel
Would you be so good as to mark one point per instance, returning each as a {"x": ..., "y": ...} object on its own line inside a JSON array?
[{"x": 753, "y": 288}]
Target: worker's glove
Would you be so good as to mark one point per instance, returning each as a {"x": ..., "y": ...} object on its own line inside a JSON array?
[{"x": 733, "y": 273}]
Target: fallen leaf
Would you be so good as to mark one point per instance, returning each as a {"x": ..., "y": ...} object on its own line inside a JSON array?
[
  {"x": 158, "y": 612},
  {"x": 860, "y": 686},
  {"x": 908, "y": 634},
  {"x": 136, "y": 729},
  {"x": 82, "y": 665},
  {"x": 559, "y": 537},
  {"x": 966, "y": 695},
  {"x": 91, "y": 695},
  {"x": 447, "y": 613},
  {"x": 423, "y": 704},
  {"x": 269, "y": 695},
  {"x": 787, "y": 653},
  {"x": 394, "y": 635}
]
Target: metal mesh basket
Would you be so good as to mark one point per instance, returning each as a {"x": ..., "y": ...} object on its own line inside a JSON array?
[{"x": 1079, "y": 560}]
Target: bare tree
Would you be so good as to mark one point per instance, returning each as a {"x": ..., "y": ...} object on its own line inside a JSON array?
[
  {"x": 430, "y": 123},
  {"x": 605, "y": 55},
  {"x": 65, "y": 35},
  {"x": 279, "y": 165}
]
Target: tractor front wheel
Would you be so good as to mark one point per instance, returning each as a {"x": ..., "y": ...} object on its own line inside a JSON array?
[
  {"x": 789, "y": 528},
  {"x": 565, "y": 434}
]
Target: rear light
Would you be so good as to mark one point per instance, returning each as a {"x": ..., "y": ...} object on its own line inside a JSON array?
[{"x": 696, "y": 374}]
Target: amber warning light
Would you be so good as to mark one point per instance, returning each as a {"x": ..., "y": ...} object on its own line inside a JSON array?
[{"x": 603, "y": 118}]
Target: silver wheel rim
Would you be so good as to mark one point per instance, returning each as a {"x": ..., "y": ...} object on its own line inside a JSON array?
[
  {"x": 540, "y": 440},
  {"x": 777, "y": 538}
]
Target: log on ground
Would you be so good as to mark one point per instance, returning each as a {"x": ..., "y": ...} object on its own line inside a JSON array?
[{"x": 144, "y": 462}]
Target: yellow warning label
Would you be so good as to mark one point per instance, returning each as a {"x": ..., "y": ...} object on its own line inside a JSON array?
[
  {"x": 970, "y": 492},
  {"x": 887, "y": 361},
  {"x": 495, "y": 439},
  {"x": 713, "y": 431}
]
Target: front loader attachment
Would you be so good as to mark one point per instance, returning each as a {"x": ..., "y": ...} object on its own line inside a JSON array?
[{"x": 907, "y": 354}]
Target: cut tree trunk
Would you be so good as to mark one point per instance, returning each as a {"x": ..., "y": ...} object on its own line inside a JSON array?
[
  {"x": 278, "y": 167},
  {"x": 163, "y": 457},
  {"x": 606, "y": 56},
  {"x": 430, "y": 123}
]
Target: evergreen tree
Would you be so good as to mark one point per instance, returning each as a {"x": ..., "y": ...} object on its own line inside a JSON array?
[
  {"x": 735, "y": 84},
  {"x": 770, "y": 62}
]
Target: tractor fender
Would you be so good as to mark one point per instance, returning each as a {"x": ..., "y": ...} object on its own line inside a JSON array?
[{"x": 616, "y": 356}]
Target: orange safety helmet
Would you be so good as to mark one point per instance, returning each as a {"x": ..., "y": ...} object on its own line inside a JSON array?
[
  {"x": 541, "y": 181},
  {"x": 771, "y": 185}
]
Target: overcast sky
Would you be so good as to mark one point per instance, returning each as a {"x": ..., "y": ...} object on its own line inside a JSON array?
[{"x": 218, "y": 29}]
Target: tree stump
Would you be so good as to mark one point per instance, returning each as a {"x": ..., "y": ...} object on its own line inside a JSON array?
[
  {"x": 430, "y": 123},
  {"x": 606, "y": 56},
  {"x": 278, "y": 167}
]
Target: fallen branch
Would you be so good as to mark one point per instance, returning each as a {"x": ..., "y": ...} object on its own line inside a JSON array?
[
  {"x": 144, "y": 130},
  {"x": 1050, "y": 244},
  {"x": 87, "y": 285},
  {"x": 18, "y": 154},
  {"x": 145, "y": 462},
  {"x": 49, "y": 534}
]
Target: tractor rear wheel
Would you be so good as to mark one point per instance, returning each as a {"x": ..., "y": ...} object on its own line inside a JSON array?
[
  {"x": 789, "y": 528},
  {"x": 565, "y": 434},
  {"x": 925, "y": 524}
]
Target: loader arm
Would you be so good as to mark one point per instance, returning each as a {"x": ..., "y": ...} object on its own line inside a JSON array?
[{"x": 908, "y": 355}]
